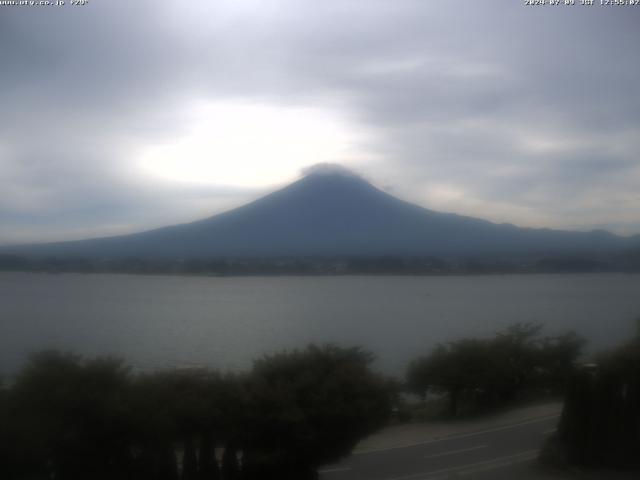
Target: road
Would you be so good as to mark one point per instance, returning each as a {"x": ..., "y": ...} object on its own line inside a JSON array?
[{"x": 502, "y": 452}]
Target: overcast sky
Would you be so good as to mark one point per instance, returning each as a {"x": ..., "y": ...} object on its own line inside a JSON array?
[{"x": 124, "y": 115}]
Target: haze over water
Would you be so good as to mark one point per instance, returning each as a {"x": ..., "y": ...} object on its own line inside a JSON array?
[{"x": 166, "y": 321}]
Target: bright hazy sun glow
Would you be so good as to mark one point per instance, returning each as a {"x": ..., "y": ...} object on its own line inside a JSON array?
[{"x": 247, "y": 144}]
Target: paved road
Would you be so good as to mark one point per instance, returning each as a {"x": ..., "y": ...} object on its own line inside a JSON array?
[{"x": 505, "y": 452}]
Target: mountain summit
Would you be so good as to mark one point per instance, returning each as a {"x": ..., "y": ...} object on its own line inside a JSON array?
[
  {"x": 332, "y": 211},
  {"x": 329, "y": 169}
]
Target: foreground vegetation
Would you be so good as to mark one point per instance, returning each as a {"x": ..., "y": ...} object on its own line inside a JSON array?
[
  {"x": 68, "y": 418},
  {"x": 600, "y": 424},
  {"x": 476, "y": 374}
]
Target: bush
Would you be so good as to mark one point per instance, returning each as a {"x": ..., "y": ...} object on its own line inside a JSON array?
[
  {"x": 600, "y": 424},
  {"x": 492, "y": 372},
  {"x": 311, "y": 407},
  {"x": 69, "y": 418}
]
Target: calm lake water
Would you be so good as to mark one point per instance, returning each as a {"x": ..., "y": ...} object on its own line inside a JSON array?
[{"x": 167, "y": 321}]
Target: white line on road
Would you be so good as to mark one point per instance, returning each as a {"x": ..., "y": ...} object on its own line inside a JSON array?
[
  {"x": 453, "y": 452},
  {"x": 499, "y": 463},
  {"x": 335, "y": 470},
  {"x": 472, "y": 467},
  {"x": 550, "y": 431},
  {"x": 462, "y": 435}
]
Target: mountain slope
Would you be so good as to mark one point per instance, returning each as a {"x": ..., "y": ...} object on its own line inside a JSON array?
[{"x": 334, "y": 213}]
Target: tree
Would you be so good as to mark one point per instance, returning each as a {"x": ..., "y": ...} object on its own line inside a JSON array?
[
  {"x": 7, "y": 455},
  {"x": 600, "y": 423},
  {"x": 311, "y": 407},
  {"x": 557, "y": 357},
  {"x": 71, "y": 417},
  {"x": 453, "y": 369},
  {"x": 494, "y": 371}
]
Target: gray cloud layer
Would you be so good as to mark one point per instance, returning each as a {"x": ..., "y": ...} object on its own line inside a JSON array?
[{"x": 493, "y": 109}]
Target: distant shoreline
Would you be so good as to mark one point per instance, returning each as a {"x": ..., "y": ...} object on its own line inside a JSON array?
[
  {"x": 320, "y": 275},
  {"x": 380, "y": 265}
]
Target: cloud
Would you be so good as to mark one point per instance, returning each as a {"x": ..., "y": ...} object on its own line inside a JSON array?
[{"x": 528, "y": 115}]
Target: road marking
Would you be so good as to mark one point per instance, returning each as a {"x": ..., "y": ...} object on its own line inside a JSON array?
[
  {"x": 335, "y": 470},
  {"x": 453, "y": 452},
  {"x": 501, "y": 462},
  {"x": 550, "y": 431},
  {"x": 475, "y": 467},
  {"x": 462, "y": 435}
]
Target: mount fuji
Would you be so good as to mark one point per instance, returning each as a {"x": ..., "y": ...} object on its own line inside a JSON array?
[{"x": 332, "y": 212}]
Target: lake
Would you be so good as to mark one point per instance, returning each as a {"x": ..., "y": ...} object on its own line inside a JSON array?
[{"x": 165, "y": 321}]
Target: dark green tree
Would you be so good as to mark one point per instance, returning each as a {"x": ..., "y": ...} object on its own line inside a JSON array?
[
  {"x": 72, "y": 417},
  {"x": 309, "y": 408},
  {"x": 452, "y": 369},
  {"x": 556, "y": 360},
  {"x": 69, "y": 418},
  {"x": 600, "y": 423},
  {"x": 494, "y": 371}
]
